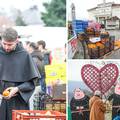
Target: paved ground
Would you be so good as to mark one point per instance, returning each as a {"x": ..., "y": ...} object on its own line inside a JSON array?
[
  {"x": 115, "y": 33},
  {"x": 113, "y": 55}
]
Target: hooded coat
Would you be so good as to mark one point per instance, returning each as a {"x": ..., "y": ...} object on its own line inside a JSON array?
[
  {"x": 17, "y": 69},
  {"x": 116, "y": 102},
  {"x": 39, "y": 60},
  {"x": 97, "y": 108},
  {"x": 47, "y": 57},
  {"x": 83, "y": 102}
]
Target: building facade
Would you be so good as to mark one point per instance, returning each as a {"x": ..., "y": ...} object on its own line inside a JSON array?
[{"x": 107, "y": 14}]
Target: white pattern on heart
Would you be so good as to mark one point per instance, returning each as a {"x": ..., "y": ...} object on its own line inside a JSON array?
[{"x": 101, "y": 79}]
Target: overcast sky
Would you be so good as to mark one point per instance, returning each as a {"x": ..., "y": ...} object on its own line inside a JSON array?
[
  {"x": 83, "y": 5},
  {"x": 22, "y": 4}
]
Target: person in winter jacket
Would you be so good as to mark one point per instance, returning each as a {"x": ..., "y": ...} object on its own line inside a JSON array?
[
  {"x": 47, "y": 54},
  {"x": 97, "y": 107},
  {"x": 38, "y": 57}
]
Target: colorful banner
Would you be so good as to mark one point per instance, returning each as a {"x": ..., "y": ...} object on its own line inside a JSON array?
[{"x": 55, "y": 74}]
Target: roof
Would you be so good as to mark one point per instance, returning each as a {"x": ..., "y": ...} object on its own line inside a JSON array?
[
  {"x": 92, "y": 9},
  {"x": 112, "y": 3},
  {"x": 115, "y": 5}
]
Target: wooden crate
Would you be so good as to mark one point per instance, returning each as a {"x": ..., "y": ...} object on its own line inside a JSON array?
[
  {"x": 112, "y": 45},
  {"x": 101, "y": 52},
  {"x": 107, "y": 47},
  {"x": 93, "y": 53},
  {"x": 97, "y": 33},
  {"x": 57, "y": 105},
  {"x": 112, "y": 42},
  {"x": 37, "y": 115}
]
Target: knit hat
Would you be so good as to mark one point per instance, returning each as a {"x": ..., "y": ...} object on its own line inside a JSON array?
[{"x": 97, "y": 92}]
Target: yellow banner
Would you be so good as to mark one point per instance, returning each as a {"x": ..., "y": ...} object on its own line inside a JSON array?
[{"x": 55, "y": 73}]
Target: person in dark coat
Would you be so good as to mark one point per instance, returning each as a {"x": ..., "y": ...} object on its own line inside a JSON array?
[
  {"x": 115, "y": 97},
  {"x": 79, "y": 102},
  {"x": 47, "y": 54},
  {"x": 47, "y": 59},
  {"x": 17, "y": 74},
  {"x": 38, "y": 59}
]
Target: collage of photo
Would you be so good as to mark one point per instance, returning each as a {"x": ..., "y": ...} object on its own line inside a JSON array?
[{"x": 60, "y": 60}]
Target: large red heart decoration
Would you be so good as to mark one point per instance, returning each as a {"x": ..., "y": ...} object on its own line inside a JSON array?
[{"x": 101, "y": 79}]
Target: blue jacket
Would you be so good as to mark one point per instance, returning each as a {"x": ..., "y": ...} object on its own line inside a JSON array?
[{"x": 117, "y": 118}]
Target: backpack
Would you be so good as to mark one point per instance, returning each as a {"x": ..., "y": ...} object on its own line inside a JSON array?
[
  {"x": 46, "y": 59},
  {"x": 40, "y": 64}
]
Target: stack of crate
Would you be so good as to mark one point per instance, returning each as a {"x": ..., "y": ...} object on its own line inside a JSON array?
[
  {"x": 90, "y": 32},
  {"x": 105, "y": 40},
  {"x": 99, "y": 49},
  {"x": 93, "y": 51},
  {"x": 57, "y": 105},
  {"x": 79, "y": 26},
  {"x": 112, "y": 42},
  {"x": 97, "y": 33}
]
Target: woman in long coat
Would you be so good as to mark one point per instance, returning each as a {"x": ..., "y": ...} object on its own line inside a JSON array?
[{"x": 97, "y": 107}]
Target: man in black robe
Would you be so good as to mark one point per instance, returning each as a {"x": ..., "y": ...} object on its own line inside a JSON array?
[
  {"x": 115, "y": 97},
  {"x": 79, "y": 102},
  {"x": 17, "y": 70}
]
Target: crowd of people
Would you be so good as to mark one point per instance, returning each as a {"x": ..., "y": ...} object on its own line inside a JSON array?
[
  {"x": 84, "y": 107},
  {"x": 41, "y": 56}
]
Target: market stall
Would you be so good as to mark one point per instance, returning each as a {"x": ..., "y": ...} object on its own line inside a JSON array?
[{"x": 92, "y": 41}]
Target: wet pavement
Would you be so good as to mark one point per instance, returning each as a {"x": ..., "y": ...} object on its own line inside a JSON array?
[
  {"x": 115, "y": 33},
  {"x": 113, "y": 55}
]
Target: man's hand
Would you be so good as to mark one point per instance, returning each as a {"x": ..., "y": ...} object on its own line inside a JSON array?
[{"x": 13, "y": 91}]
